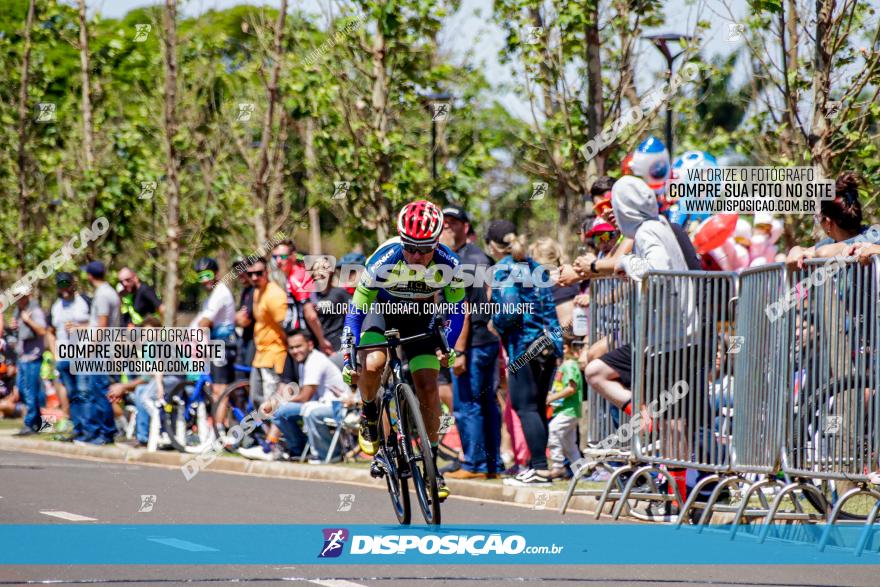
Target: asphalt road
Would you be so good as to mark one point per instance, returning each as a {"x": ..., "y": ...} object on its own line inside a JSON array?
[{"x": 109, "y": 493}]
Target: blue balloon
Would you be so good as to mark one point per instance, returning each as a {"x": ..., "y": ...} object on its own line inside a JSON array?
[
  {"x": 651, "y": 145},
  {"x": 680, "y": 167}
]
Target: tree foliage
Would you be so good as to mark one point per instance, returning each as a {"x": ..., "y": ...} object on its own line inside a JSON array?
[{"x": 354, "y": 103}]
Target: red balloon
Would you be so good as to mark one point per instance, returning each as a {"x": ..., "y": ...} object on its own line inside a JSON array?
[
  {"x": 626, "y": 164},
  {"x": 714, "y": 231}
]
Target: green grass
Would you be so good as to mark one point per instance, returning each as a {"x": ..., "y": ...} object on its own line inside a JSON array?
[{"x": 11, "y": 424}]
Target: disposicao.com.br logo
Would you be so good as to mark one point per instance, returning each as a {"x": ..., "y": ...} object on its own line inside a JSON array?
[{"x": 447, "y": 544}]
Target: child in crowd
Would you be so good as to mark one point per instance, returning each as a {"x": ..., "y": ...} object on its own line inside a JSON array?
[{"x": 566, "y": 398}]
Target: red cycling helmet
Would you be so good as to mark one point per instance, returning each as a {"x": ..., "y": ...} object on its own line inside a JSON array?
[{"x": 420, "y": 223}]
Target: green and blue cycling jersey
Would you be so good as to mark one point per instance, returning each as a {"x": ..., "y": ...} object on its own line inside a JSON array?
[{"x": 388, "y": 278}]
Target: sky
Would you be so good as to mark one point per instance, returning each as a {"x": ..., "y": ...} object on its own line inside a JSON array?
[{"x": 471, "y": 29}]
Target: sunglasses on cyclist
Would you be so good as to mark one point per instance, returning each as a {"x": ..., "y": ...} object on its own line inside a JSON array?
[
  {"x": 424, "y": 249},
  {"x": 63, "y": 284}
]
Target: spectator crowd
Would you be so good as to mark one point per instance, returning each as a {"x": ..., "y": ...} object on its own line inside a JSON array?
[{"x": 517, "y": 385}]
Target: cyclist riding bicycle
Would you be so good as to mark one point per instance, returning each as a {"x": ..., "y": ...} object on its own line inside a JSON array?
[{"x": 404, "y": 275}]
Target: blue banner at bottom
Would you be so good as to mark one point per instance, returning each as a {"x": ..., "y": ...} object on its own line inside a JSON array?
[{"x": 580, "y": 544}]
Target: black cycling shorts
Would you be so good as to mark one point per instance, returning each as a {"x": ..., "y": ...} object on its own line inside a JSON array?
[
  {"x": 620, "y": 360},
  {"x": 225, "y": 373},
  {"x": 419, "y": 353}
]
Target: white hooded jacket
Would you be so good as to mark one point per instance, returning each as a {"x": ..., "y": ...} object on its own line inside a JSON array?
[
  {"x": 635, "y": 208},
  {"x": 637, "y": 214}
]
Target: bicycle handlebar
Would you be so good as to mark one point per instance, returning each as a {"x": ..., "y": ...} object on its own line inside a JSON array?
[{"x": 435, "y": 330}]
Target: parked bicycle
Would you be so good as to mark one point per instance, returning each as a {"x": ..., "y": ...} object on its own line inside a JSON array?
[
  {"x": 187, "y": 413},
  {"x": 231, "y": 410}
]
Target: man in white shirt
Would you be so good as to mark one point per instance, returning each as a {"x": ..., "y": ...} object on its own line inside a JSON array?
[
  {"x": 69, "y": 311},
  {"x": 218, "y": 315},
  {"x": 321, "y": 394}
]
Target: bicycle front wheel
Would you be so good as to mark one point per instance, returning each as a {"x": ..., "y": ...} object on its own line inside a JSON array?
[
  {"x": 187, "y": 427},
  {"x": 417, "y": 451},
  {"x": 392, "y": 461}
]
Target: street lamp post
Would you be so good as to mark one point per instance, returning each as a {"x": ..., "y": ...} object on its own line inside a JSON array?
[{"x": 661, "y": 42}]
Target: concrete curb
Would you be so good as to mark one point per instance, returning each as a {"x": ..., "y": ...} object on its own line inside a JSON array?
[{"x": 534, "y": 498}]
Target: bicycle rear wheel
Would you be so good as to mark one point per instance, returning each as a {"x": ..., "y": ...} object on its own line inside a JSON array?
[
  {"x": 417, "y": 451},
  {"x": 855, "y": 508},
  {"x": 392, "y": 461},
  {"x": 833, "y": 441},
  {"x": 230, "y": 411}
]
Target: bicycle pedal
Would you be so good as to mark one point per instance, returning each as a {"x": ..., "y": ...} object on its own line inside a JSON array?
[{"x": 376, "y": 471}]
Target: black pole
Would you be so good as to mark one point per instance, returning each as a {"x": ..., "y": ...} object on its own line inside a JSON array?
[
  {"x": 153, "y": 251},
  {"x": 669, "y": 106},
  {"x": 662, "y": 43},
  {"x": 433, "y": 153}
]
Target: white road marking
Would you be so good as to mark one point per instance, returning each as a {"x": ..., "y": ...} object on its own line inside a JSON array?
[
  {"x": 335, "y": 583},
  {"x": 68, "y": 516},
  {"x": 183, "y": 544}
]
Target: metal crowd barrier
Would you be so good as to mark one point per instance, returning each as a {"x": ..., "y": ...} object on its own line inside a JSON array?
[
  {"x": 833, "y": 413},
  {"x": 683, "y": 321},
  {"x": 611, "y": 321},
  {"x": 611, "y": 311},
  {"x": 759, "y": 361},
  {"x": 759, "y": 399},
  {"x": 805, "y": 360}
]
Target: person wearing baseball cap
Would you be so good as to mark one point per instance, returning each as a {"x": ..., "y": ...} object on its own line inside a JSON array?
[
  {"x": 602, "y": 235},
  {"x": 473, "y": 379},
  {"x": 217, "y": 314},
  {"x": 69, "y": 311},
  {"x": 30, "y": 322},
  {"x": 526, "y": 322},
  {"x": 99, "y": 425},
  {"x": 95, "y": 269}
]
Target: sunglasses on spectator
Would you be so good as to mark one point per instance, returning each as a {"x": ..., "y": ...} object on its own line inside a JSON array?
[
  {"x": 282, "y": 257},
  {"x": 419, "y": 249},
  {"x": 256, "y": 273}
]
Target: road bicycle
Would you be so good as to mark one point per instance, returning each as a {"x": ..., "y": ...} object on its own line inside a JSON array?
[
  {"x": 231, "y": 410},
  {"x": 827, "y": 426},
  {"x": 404, "y": 447},
  {"x": 186, "y": 409}
]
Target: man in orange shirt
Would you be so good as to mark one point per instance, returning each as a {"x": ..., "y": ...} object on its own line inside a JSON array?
[{"x": 270, "y": 307}]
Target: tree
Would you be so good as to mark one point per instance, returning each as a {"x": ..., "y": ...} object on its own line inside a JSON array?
[
  {"x": 172, "y": 213},
  {"x": 817, "y": 104},
  {"x": 23, "y": 196},
  {"x": 559, "y": 47},
  {"x": 261, "y": 177}
]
